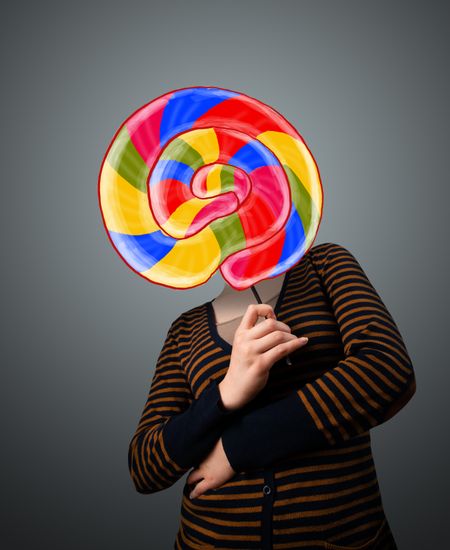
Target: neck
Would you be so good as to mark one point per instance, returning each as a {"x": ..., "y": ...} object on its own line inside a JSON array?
[{"x": 231, "y": 303}]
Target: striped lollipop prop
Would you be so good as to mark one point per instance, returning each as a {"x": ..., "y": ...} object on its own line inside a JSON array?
[{"x": 203, "y": 178}]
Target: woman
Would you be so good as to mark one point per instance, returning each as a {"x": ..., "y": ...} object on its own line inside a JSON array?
[{"x": 280, "y": 455}]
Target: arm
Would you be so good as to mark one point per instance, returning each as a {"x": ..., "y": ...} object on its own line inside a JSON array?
[
  {"x": 371, "y": 384},
  {"x": 175, "y": 430}
]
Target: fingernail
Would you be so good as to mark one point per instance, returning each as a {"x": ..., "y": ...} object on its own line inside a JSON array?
[
  {"x": 191, "y": 495},
  {"x": 304, "y": 339}
]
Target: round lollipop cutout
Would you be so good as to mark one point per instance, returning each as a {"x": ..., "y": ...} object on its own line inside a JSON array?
[{"x": 205, "y": 178}]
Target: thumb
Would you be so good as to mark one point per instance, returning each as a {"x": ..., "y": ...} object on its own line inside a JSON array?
[
  {"x": 199, "y": 489},
  {"x": 253, "y": 312}
]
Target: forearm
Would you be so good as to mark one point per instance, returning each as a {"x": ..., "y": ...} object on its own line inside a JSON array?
[
  {"x": 175, "y": 430},
  {"x": 189, "y": 436}
]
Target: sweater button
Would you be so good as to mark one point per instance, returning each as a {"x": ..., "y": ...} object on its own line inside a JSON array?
[{"x": 266, "y": 489}]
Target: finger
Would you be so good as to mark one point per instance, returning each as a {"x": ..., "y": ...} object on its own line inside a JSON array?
[
  {"x": 253, "y": 312},
  {"x": 272, "y": 339},
  {"x": 285, "y": 348},
  {"x": 194, "y": 476},
  {"x": 199, "y": 489},
  {"x": 267, "y": 326}
]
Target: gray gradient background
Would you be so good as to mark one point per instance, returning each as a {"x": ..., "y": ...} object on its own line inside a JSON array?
[{"x": 363, "y": 82}]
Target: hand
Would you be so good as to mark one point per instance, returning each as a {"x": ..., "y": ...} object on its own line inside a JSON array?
[
  {"x": 213, "y": 471},
  {"x": 255, "y": 349}
]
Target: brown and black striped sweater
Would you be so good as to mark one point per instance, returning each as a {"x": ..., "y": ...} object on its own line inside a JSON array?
[{"x": 301, "y": 449}]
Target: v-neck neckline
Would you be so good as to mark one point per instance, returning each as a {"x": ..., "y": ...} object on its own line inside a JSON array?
[{"x": 221, "y": 342}]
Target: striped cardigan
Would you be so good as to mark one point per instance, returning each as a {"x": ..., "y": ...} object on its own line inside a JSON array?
[{"x": 301, "y": 449}]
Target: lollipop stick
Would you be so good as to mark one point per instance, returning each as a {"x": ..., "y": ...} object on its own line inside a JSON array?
[{"x": 255, "y": 292}]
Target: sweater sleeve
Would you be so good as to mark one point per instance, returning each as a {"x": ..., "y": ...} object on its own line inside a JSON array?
[
  {"x": 368, "y": 386},
  {"x": 175, "y": 430}
]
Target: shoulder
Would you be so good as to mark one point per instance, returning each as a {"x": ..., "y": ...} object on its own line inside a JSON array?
[
  {"x": 187, "y": 318},
  {"x": 328, "y": 250},
  {"x": 324, "y": 248},
  {"x": 330, "y": 254}
]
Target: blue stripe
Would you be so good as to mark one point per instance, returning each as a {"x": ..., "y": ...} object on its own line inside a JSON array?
[
  {"x": 294, "y": 243},
  {"x": 171, "y": 169},
  {"x": 142, "y": 252},
  {"x": 253, "y": 155},
  {"x": 186, "y": 106}
]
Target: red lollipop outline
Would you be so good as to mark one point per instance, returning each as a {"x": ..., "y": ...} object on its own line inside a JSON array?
[{"x": 174, "y": 137}]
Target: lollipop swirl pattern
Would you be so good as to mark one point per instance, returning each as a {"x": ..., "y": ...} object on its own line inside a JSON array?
[{"x": 204, "y": 178}]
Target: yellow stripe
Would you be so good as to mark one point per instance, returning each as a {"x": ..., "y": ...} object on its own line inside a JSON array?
[
  {"x": 125, "y": 208},
  {"x": 295, "y": 154},
  {"x": 181, "y": 218},
  {"x": 191, "y": 262},
  {"x": 204, "y": 141},
  {"x": 213, "y": 182}
]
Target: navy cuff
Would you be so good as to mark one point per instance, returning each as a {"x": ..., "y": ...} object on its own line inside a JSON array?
[
  {"x": 191, "y": 435},
  {"x": 271, "y": 433}
]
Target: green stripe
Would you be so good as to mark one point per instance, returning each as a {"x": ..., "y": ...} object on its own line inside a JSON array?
[
  {"x": 229, "y": 234},
  {"x": 227, "y": 178},
  {"x": 181, "y": 151},
  {"x": 301, "y": 198},
  {"x": 125, "y": 160}
]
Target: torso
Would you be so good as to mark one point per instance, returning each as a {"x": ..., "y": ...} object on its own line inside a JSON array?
[{"x": 339, "y": 483}]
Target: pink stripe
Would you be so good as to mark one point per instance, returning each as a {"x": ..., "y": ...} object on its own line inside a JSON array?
[
  {"x": 271, "y": 184},
  {"x": 222, "y": 205},
  {"x": 252, "y": 265},
  {"x": 144, "y": 130}
]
